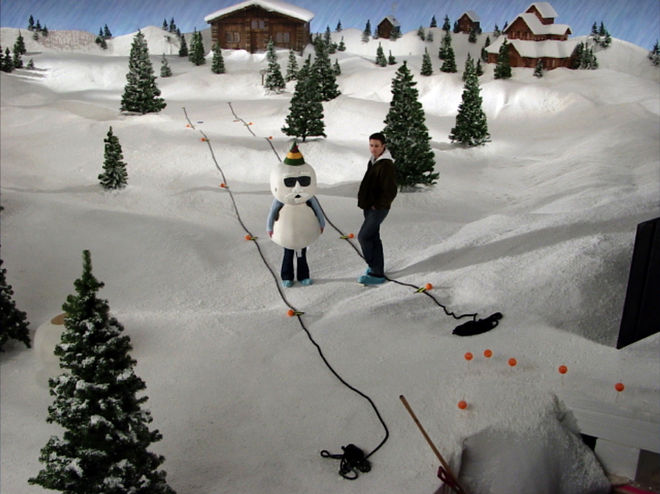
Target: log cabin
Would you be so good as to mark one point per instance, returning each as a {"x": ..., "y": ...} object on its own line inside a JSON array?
[
  {"x": 386, "y": 26},
  {"x": 249, "y": 26},
  {"x": 468, "y": 22}
]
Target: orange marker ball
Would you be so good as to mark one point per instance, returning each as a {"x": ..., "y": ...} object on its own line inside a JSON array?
[
  {"x": 291, "y": 313},
  {"x": 350, "y": 235},
  {"x": 248, "y": 237},
  {"x": 468, "y": 356},
  {"x": 203, "y": 139},
  {"x": 488, "y": 353},
  {"x": 513, "y": 362},
  {"x": 270, "y": 138},
  {"x": 223, "y": 186},
  {"x": 462, "y": 404},
  {"x": 428, "y": 286},
  {"x": 619, "y": 387},
  {"x": 562, "y": 369}
]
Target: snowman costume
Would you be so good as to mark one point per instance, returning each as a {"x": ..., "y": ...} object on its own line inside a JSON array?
[{"x": 295, "y": 219}]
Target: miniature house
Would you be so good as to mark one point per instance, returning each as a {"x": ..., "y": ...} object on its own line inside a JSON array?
[
  {"x": 469, "y": 22},
  {"x": 386, "y": 26},
  {"x": 250, "y": 25}
]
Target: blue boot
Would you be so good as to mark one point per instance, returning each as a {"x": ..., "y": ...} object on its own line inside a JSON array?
[
  {"x": 287, "y": 283},
  {"x": 367, "y": 279},
  {"x": 306, "y": 281}
]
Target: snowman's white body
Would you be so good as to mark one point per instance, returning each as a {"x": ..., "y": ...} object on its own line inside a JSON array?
[{"x": 296, "y": 226}]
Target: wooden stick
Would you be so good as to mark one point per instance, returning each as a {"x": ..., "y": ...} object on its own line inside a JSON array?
[{"x": 444, "y": 464}]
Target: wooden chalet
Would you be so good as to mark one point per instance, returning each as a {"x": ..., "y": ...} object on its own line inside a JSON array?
[
  {"x": 534, "y": 36},
  {"x": 386, "y": 26},
  {"x": 468, "y": 22},
  {"x": 251, "y": 24}
]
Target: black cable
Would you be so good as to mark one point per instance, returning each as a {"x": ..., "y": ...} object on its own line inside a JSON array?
[{"x": 352, "y": 458}]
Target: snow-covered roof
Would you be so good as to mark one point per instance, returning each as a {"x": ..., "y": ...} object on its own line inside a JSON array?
[
  {"x": 392, "y": 20},
  {"x": 472, "y": 15},
  {"x": 269, "y": 5},
  {"x": 536, "y": 49},
  {"x": 537, "y": 27},
  {"x": 544, "y": 8}
]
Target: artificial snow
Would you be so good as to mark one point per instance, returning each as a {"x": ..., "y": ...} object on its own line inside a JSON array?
[{"x": 538, "y": 224}]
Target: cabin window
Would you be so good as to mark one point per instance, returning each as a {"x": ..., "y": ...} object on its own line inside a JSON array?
[
  {"x": 282, "y": 37},
  {"x": 232, "y": 37},
  {"x": 258, "y": 24}
]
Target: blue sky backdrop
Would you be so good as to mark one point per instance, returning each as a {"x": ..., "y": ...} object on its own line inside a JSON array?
[{"x": 637, "y": 21}]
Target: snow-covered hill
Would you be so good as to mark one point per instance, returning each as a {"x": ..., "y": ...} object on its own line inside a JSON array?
[{"x": 538, "y": 224}]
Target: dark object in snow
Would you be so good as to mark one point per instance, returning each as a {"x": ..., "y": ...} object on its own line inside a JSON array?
[
  {"x": 471, "y": 328},
  {"x": 352, "y": 460}
]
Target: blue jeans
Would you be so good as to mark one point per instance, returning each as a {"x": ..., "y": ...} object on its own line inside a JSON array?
[
  {"x": 287, "y": 265},
  {"x": 369, "y": 238}
]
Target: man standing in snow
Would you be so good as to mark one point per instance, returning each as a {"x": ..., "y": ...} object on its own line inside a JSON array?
[{"x": 377, "y": 191}]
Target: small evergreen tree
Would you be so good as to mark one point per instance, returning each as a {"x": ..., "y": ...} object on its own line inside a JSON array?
[
  {"x": 165, "y": 70},
  {"x": 605, "y": 39},
  {"x": 218, "y": 62},
  {"x": 165, "y": 25},
  {"x": 106, "y": 32},
  {"x": 380, "y": 56},
  {"x": 172, "y": 27},
  {"x": 391, "y": 60},
  {"x": 305, "y": 116},
  {"x": 472, "y": 37},
  {"x": 336, "y": 68},
  {"x": 327, "y": 37},
  {"x": 338, "y": 28},
  {"x": 13, "y": 322},
  {"x": 427, "y": 66},
  {"x": 326, "y": 77},
  {"x": 7, "y": 61},
  {"x": 30, "y": 64},
  {"x": 484, "y": 52},
  {"x": 479, "y": 69},
  {"x": 196, "y": 54},
  {"x": 445, "y": 46},
  {"x": 538, "y": 70},
  {"x": 17, "y": 61},
  {"x": 429, "y": 37},
  {"x": 274, "y": 80},
  {"x": 503, "y": 65},
  {"x": 183, "y": 49},
  {"x": 104, "y": 447},
  {"x": 395, "y": 33},
  {"x": 141, "y": 93},
  {"x": 407, "y": 135},
  {"x": 654, "y": 54},
  {"x": 449, "y": 62},
  {"x": 420, "y": 33},
  {"x": 114, "y": 174},
  {"x": 342, "y": 45},
  {"x": 31, "y": 24},
  {"x": 44, "y": 31},
  {"x": 19, "y": 45},
  {"x": 434, "y": 23},
  {"x": 366, "y": 34},
  {"x": 457, "y": 28},
  {"x": 292, "y": 67},
  {"x": 446, "y": 26},
  {"x": 471, "y": 127}
]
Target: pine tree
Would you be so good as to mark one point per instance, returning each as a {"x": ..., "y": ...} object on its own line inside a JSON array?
[
  {"x": 484, "y": 52},
  {"x": 342, "y": 45},
  {"x": 218, "y": 62},
  {"x": 479, "y": 69},
  {"x": 338, "y": 28},
  {"x": 395, "y": 33},
  {"x": 471, "y": 127},
  {"x": 538, "y": 70},
  {"x": 31, "y": 24},
  {"x": 114, "y": 174},
  {"x": 380, "y": 56},
  {"x": 172, "y": 27},
  {"x": 183, "y": 49},
  {"x": 7, "y": 62},
  {"x": 605, "y": 39},
  {"x": 274, "y": 80},
  {"x": 326, "y": 77},
  {"x": 654, "y": 54},
  {"x": 104, "y": 447},
  {"x": 446, "y": 26},
  {"x": 17, "y": 61},
  {"x": 106, "y": 32},
  {"x": 472, "y": 37},
  {"x": 503, "y": 65},
  {"x": 429, "y": 36},
  {"x": 420, "y": 33},
  {"x": 366, "y": 34},
  {"x": 165, "y": 70},
  {"x": 305, "y": 116},
  {"x": 469, "y": 67},
  {"x": 327, "y": 37},
  {"x": 407, "y": 135},
  {"x": 445, "y": 46},
  {"x": 164, "y": 26},
  {"x": 292, "y": 67},
  {"x": 391, "y": 60},
  {"x": 196, "y": 54},
  {"x": 449, "y": 62},
  {"x": 13, "y": 322},
  {"x": 141, "y": 94},
  {"x": 19, "y": 45},
  {"x": 427, "y": 66},
  {"x": 434, "y": 23},
  {"x": 30, "y": 64},
  {"x": 336, "y": 68}
]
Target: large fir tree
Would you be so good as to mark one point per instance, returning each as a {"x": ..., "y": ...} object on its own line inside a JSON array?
[
  {"x": 503, "y": 65},
  {"x": 103, "y": 449},
  {"x": 196, "y": 54},
  {"x": 471, "y": 127},
  {"x": 407, "y": 135},
  {"x": 13, "y": 322},
  {"x": 141, "y": 94},
  {"x": 114, "y": 174},
  {"x": 305, "y": 116}
]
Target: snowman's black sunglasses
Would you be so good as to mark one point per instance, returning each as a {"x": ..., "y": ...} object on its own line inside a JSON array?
[{"x": 291, "y": 181}]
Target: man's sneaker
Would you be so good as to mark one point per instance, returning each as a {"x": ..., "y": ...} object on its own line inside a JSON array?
[
  {"x": 367, "y": 279},
  {"x": 306, "y": 281},
  {"x": 287, "y": 283}
]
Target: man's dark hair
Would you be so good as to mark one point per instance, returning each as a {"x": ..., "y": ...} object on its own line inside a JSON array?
[{"x": 378, "y": 136}]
